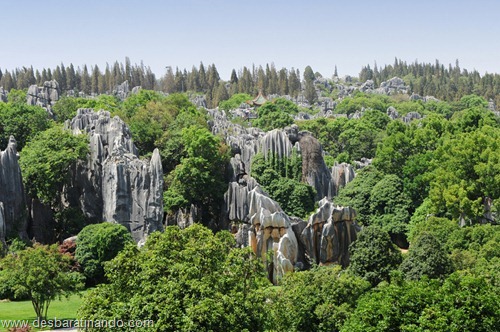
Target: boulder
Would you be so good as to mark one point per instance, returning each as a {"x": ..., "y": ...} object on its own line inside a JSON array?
[
  {"x": 314, "y": 170},
  {"x": 12, "y": 191}
]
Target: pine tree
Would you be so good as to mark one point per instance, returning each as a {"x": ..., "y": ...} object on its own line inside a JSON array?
[{"x": 85, "y": 83}]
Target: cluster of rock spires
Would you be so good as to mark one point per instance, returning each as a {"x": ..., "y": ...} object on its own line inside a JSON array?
[
  {"x": 114, "y": 184},
  {"x": 258, "y": 221},
  {"x": 45, "y": 96}
]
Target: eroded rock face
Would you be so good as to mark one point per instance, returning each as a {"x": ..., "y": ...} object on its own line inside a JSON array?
[
  {"x": 3, "y": 230},
  {"x": 121, "y": 91},
  {"x": 314, "y": 170},
  {"x": 114, "y": 184},
  {"x": 45, "y": 96},
  {"x": 328, "y": 234},
  {"x": 132, "y": 191},
  {"x": 3, "y": 95},
  {"x": 12, "y": 191}
]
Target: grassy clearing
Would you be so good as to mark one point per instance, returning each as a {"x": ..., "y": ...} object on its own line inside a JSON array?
[{"x": 23, "y": 310}]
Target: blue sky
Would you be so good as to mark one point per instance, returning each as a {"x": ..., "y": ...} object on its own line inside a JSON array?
[{"x": 233, "y": 34}]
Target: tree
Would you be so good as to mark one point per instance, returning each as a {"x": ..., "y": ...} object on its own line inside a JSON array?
[
  {"x": 320, "y": 299},
  {"x": 41, "y": 274},
  {"x": 466, "y": 175},
  {"x": 21, "y": 121},
  {"x": 235, "y": 101},
  {"x": 426, "y": 257},
  {"x": 97, "y": 244},
  {"x": 183, "y": 280},
  {"x": 373, "y": 256},
  {"x": 45, "y": 162}
]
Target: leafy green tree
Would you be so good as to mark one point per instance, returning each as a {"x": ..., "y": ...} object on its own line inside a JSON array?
[
  {"x": 373, "y": 256},
  {"x": 97, "y": 244},
  {"x": 21, "y": 121},
  {"x": 426, "y": 257},
  {"x": 275, "y": 114},
  {"x": 183, "y": 280},
  {"x": 467, "y": 174},
  {"x": 41, "y": 274},
  {"x": 201, "y": 168},
  {"x": 235, "y": 101},
  {"x": 320, "y": 299},
  {"x": 389, "y": 205},
  {"x": 46, "y": 160}
]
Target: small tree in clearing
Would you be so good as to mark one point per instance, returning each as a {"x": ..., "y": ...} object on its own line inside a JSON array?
[{"x": 41, "y": 274}]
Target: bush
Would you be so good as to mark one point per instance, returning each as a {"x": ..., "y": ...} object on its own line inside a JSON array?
[{"x": 97, "y": 244}]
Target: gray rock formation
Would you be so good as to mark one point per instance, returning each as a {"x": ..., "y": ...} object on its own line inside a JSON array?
[
  {"x": 3, "y": 95},
  {"x": 3, "y": 230},
  {"x": 314, "y": 170},
  {"x": 392, "y": 86},
  {"x": 132, "y": 191},
  {"x": 328, "y": 234},
  {"x": 121, "y": 91},
  {"x": 409, "y": 117},
  {"x": 136, "y": 89},
  {"x": 392, "y": 113},
  {"x": 12, "y": 191},
  {"x": 114, "y": 184},
  {"x": 45, "y": 96},
  {"x": 368, "y": 86}
]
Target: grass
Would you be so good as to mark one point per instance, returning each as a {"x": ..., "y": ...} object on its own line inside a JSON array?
[{"x": 23, "y": 310}]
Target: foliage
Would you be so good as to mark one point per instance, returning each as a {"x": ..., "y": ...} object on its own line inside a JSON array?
[
  {"x": 373, "y": 256},
  {"x": 461, "y": 303},
  {"x": 183, "y": 280},
  {"x": 97, "y": 244},
  {"x": 41, "y": 274},
  {"x": 235, "y": 101},
  {"x": 467, "y": 172},
  {"x": 21, "y": 121},
  {"x": 320, "y": 299},
  {"x": 65, "y": 108},
  {"x": 360, "y": 101},
  {"x": 426, "y": 257},
  {"x": 280, "y": 177},
  {"x": 46, "y": 160},
  {"x": 201, "y": 169},
  {"x": 275, "y": 114}
]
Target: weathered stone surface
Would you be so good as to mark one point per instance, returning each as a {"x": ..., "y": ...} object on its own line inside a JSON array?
[
  {"x": 42, "y": 222},
  {"x": 392, "y": 113},
  {"x": 45, "y": 96},
  {"x": 328, "y": 234},
  {"x": 121, "y": 91},
  {"x": 114, "y": 184},
  {"x": 3, "y": 230},
  {"x": 184, "y": 217},
  {"x": 12, "y": 191},
  {"x": 3, "y": 95},
  {"x": 342, "y": 174},
  {"x": 409, "y": 117},
  {"x": 132, "y": 191},
  {"x": 314, "y": 170}
]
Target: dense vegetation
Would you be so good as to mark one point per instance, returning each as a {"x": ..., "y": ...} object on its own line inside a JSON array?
[{"x": 426, "y": 178}]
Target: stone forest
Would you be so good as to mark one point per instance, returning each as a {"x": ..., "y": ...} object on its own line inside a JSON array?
[{"x": 273, "y": 201}]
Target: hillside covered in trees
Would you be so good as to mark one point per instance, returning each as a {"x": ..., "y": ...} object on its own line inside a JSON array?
[{"x": 366, "y": 203}]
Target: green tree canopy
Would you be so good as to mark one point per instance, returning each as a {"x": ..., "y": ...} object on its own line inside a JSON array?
[
  {"x": 373, "y": 256},
  {"x": 183, "y": 280},
  {"x": 46, "y": 160},
  {"x": 97, "y": 244},
  {"x": 41, "y": 274}
]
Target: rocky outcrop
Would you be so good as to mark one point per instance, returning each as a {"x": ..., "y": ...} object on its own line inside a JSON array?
[
  {"x": 314, "y": 170},
  {"x": 45, "y": 96},
  {"x": 409, "y": 117},
  {"x": 3, "y": 230},
  {"x": 114, "y": 184},
  {"x": 12, "y": 191},
  {"x": 328, "y": 234},
  {"x": 3, "y": 95},
  {"x": 121, "y": 91},
  {"x": 132, "y": 191}
]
